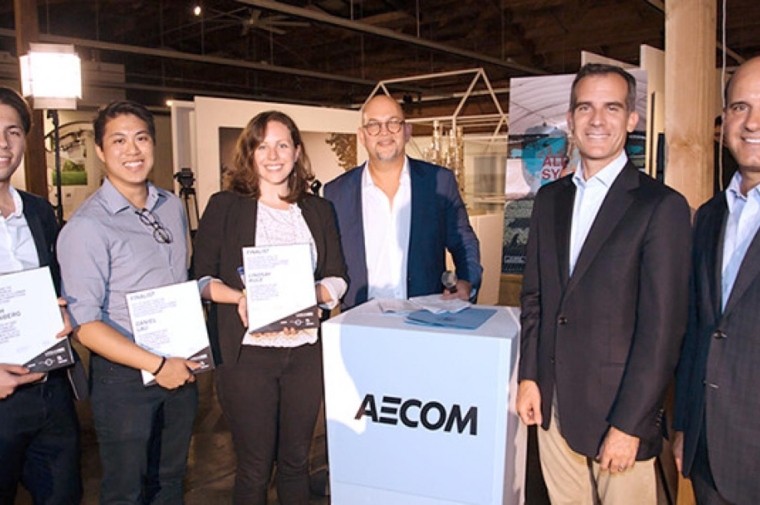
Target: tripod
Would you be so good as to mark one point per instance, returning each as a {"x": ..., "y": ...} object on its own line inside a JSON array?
[{"x": 186, "y": 180}]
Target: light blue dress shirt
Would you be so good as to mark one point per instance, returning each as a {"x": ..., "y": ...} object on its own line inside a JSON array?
[
  {"x": 106, "y": 252},
  {"x": 589, "y": 196},
  {"x": 741, "y": 227}
]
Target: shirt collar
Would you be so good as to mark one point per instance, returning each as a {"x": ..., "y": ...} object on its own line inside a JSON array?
[
  {"x": 734, "y": 193},
  {"x": 606, "y": 176},
  {"x": 116, "y": 202},
  {"x": 18, "y": 203},
  {"x": 367, "y": 181}
]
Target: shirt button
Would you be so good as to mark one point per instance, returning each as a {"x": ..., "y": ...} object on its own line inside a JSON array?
[
  {"x": 562, "y": 320},
  {"x": 719, "y": 335}
]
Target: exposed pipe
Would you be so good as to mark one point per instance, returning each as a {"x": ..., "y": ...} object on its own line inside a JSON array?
[
  {"x": 178, "y": 55},
  {"x": 390, "y": 34}
]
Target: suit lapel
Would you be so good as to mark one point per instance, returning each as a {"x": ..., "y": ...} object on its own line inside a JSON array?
[
  {"x": 748, "y": 272},
  {"x": 352, "y": 233},
  {"x": 712, "y": 245},
  {"x": 38, "y": 234},
  {"x": 563, "y": 216},
  {"x": 247, "y": 209},
  {"x": 610, "y": 214},
  {"x": 420, "y": 202}
]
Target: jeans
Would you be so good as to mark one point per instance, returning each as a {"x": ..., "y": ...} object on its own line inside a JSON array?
[
  {"x": 144, "y": 436},
  {"x": 39, "y": 443}
]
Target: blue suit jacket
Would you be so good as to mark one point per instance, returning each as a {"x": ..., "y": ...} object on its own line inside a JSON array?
[{"x": 439, "y": 222}]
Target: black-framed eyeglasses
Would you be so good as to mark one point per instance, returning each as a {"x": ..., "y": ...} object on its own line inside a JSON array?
[
  {"x": 160, "y": 234},
  {"x": 392, "y": 125}
]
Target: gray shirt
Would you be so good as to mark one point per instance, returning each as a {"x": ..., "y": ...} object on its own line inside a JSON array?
[{"x": 106, "y": 252}]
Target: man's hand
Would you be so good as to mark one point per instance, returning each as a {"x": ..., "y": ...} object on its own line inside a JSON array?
[
  {"x": 66, "y": 319},
  {"x": 463, "y": 290},
  {"x": 618, "y": 451},
  {"x": 176, "y": 372},
  {"x": 677, "y": 448},
  {"x": 528, "y": 403},
  {"x": 13, "y": 376}
]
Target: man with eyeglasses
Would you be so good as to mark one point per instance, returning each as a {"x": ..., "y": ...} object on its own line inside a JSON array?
[
  {"x": 129, "y": 236},
  {"x": 397, "y": 216}
]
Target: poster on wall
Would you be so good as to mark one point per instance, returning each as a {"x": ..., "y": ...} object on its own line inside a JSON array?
[
  {"x": 330, "y": 154},
  {"x": 516, "y": 225},
  {"x": 540, "y": 144},
  {"x": 73, "y": 152},
  {"x": 540, "y": 150}
]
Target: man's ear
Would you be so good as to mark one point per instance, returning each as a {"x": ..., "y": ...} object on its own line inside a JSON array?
[
  {"x": 100, "y": 154},
  {"x": 407, "y": 131},
  {"x": 633, "y": 120}
]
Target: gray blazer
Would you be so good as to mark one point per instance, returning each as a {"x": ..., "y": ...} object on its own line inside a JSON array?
[{"x": 719, "y": 371}]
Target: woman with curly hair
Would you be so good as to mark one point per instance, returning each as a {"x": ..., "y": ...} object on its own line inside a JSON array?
[{"x": 270, "y": 391}]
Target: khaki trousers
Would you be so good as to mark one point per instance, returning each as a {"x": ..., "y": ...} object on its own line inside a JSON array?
[{"x": 574, "y": 479}]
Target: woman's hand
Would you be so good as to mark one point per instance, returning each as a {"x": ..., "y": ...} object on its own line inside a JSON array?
[
  {"x": 242, "y": 306},
  {"x": 287, "y": 331}
]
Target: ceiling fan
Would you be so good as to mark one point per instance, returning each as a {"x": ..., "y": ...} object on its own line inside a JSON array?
[{"x": 273, "y": 23}]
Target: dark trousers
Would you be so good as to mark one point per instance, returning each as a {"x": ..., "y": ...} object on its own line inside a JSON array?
[
  {"x": 39, "y": 443},
  {"x": 271, "y": 400},
  {"x": 144, "y": 436}
]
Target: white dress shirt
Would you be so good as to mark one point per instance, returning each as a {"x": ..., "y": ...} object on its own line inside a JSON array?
[
  {"x": 589, "y": 196},
  {"x": 386, "y": 235},
  {"x": 741, "y": 227},
  {"x": 17, "y": 249}
]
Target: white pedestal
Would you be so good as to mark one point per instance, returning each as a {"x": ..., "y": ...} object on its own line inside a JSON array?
[{"x": 419, "y": 415}]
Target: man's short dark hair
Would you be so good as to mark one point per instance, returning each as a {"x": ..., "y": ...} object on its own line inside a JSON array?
[
  {"x": 121, "y": 108},
  {"x": 13, "y": 98},
  {"x": 594, "y": 69}
]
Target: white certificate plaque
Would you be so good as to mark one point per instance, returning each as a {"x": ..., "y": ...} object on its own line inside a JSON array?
[
  {"x": 30, "y": 319},
  {"x": 279, "y": 283},
  {"x": 169, "y": 321}
]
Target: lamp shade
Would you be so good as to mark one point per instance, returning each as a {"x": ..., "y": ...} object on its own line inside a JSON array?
[{"x": 51, "y": 75}]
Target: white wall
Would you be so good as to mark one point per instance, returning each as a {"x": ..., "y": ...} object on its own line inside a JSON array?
[{"x": 213, "y": 113}]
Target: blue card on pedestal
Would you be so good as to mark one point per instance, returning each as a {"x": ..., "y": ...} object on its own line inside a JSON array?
[{"x": 467, "y": 319}]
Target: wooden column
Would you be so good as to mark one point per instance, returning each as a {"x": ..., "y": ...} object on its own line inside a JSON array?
[
  {"x": 690, "y": 34},
  {"x": 27, "y": 30},
  {"x": 690, "y": 88}
]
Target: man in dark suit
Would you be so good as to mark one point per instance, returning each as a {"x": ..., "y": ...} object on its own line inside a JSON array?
[
  {"x": 39, "y": 431},
  {"x": 604, "y": 304},
  {"x": 397, "y": 216},
  {"x": 717, "y": 414}
]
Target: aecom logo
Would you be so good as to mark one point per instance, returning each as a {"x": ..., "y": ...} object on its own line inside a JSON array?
[{"x": 412, "y": 413}]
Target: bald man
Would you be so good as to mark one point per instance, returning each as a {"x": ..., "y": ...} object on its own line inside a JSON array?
[
  {"x": 397, "y": 216},
  {"x": 717, "y": 414}
]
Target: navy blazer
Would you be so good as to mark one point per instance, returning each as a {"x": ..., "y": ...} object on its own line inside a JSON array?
[
  {"x": 717, "y": 378},
  {"x": 439, "y": 222},
  {"x": 607, "y": 338}
]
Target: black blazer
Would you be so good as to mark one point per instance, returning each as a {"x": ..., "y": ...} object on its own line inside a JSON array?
[
  {"x": 41, "y": 220},
  {"x": 228, "y": 225},
  {"x": 719, "y": 370},
  {"x": 608, "y": 337}
]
